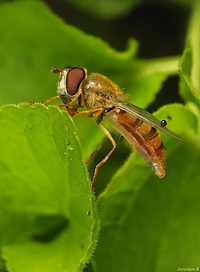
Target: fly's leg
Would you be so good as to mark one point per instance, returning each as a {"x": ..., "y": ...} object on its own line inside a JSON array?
[
  {"x": 44, "y": 101},
  {"x": 98, "y": 166},
  {"x": 95, "y": 151},
  {"x": 72, "y": 111},
  {"x": 97, "y": 113},
  {"x": 81, "y": 102},
  {"x": 92, "y": 112},
  {"x": 71, "y": 104},
  {"x": 49, "y": 99}
]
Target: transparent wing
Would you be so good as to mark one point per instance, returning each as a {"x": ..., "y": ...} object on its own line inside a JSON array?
[{"x": 145, "y": 116}]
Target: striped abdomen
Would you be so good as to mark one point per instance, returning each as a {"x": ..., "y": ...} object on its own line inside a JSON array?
[{"x": 142, "y": 136}]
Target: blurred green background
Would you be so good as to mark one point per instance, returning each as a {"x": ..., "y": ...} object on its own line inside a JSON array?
[{"x": 159, "y": 27}]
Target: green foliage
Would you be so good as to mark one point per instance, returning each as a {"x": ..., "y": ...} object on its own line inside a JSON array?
[
  {"x": 105, "y": 9},
  {"x": 43, "y": 197},
  {"x": 48, "y": 215}
]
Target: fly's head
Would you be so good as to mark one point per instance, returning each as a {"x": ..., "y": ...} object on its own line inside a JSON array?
[{"x": 69, "y": 83}]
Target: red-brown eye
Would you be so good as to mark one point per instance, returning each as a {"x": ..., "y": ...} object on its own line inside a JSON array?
[{"x": 74, "y": 78}]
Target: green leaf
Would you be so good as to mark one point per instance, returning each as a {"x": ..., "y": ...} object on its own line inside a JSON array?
[
  {"x": 194, "y": 39},
  {"x": 150, "y": 224},
  {"x": 190, "y": 61},
  {"x": 48, "y": 217},
  {"x": 110, "y": 9}
]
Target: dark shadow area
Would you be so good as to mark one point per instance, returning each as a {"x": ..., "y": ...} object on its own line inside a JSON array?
[{"x": 49, "y": 228}]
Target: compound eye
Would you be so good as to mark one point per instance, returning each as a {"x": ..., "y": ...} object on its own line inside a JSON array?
[{"x": 74, "y": 78}]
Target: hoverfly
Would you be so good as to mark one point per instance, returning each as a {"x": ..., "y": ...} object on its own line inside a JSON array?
[{"x": 102, "y": 98}]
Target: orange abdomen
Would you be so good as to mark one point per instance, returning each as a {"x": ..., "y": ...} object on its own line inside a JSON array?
[{"x": 142, "y": 136}]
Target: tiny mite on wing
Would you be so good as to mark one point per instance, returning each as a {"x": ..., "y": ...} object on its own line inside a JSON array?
[{"x": 102, "y": 98}]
